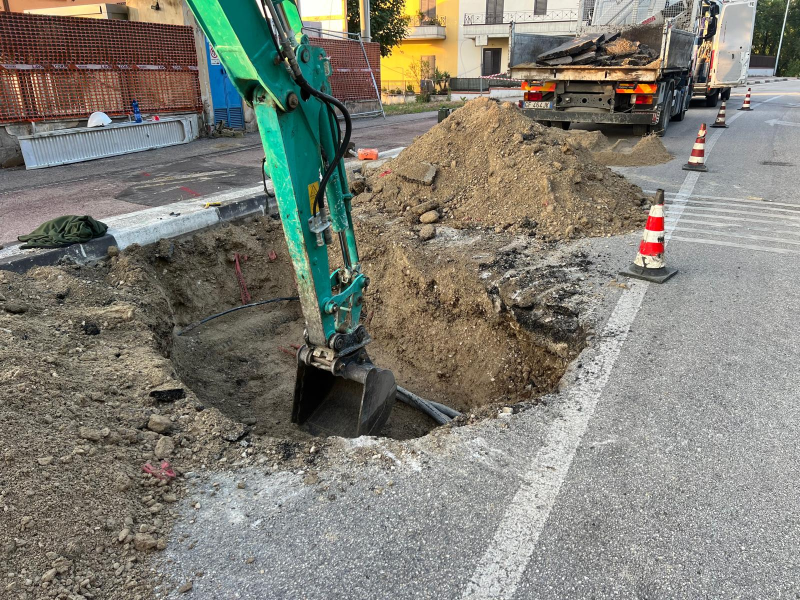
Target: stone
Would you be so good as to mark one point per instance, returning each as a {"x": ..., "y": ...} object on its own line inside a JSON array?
[
  {"x": 164, "y": 447},
  {"x": 424, "y": 207},
  {"x": 429, "y": 217},
  {"x": 427, "y": 232},
  {"x": 123, "y": 534},
  {"x": 144, "y": 542},
  {"x": 186, "y": 587},
  {"x": 49, "y": 576},
  {"x": 87, "y": 433},
  {"x": 419, "y": 172},
  {"x": 44, "y": 460},
  {"x": 15, "y": 308},
  {"x": 159, "y": 423}
]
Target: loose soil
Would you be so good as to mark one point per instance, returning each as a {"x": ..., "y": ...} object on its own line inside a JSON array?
[
  {"x": 489, "y": 166},
  {"x": 647, "y": 151}
]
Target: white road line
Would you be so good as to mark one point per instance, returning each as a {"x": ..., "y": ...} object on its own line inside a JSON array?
[
  {"x": 737, "y": 226},
  {"x": 501, "y": 567},
  {"x": 724, "y": 199},
  {"x": 732, "y": 211},
  {"x": 738, "y": 235},
  {"x": 499, "y": 570},
  {"x": 734, "y": 245},
  {"x": 756, "y": 210},
  {"x": 711, "y": 215}
]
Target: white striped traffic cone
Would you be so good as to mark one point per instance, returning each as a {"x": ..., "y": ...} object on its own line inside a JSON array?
[
  {"x": 720, "y": 122},
  {"x": 746, "y": 105},
  {"x": 697, "y": 159},
  {"x": 649, "y": 263}
]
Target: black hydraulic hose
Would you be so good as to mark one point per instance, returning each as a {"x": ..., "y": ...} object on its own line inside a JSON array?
[{"x": 235, "y": 308}]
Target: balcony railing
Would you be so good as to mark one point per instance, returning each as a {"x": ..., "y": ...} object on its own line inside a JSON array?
[
  {"x": 423, "y": 21},
  {"x": 519, "y": 17}
]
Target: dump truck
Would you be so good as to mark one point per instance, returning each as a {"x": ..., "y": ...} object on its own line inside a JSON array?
[
  {"x": 592, "y": 89},
  {"x": 725, "y": 38}
]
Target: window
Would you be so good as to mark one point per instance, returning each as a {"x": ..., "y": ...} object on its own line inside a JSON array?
[
  {"x": 427, "y": 8},
  {"x": 427, "y": 66},
  {"x": 491, "y": 61},
  {"x": 539, "y": 7},
  {"x": 494, "y": 12}
]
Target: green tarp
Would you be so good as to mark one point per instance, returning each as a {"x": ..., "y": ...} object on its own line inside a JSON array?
[{"x": 64, "y": 231}]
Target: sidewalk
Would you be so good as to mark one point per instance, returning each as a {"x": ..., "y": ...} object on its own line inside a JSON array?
[{"x": 124, "y": 184}]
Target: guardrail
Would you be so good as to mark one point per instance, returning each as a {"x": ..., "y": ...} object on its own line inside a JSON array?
[
  {"x": 519, "y": 17},
  {"x": 424, "y": 21}
]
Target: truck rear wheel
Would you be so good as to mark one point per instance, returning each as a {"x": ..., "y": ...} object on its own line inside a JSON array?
[
  {"x": 665, "y": 112},
  {"x": 640, "y": 130},
  {"x": 565, "y": 125},
  {"x": 713, "y": 99},
  {"x": 726, "y": 94}
]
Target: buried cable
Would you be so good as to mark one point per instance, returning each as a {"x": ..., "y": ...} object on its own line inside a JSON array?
[
  {"x": 423, "y": 405},
  {"x": 230, "y": 310}
]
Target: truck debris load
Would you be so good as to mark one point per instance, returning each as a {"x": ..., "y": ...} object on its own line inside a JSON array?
[
  {"x": 489, "y": 166},
  {"x": 601, "y": 49}
]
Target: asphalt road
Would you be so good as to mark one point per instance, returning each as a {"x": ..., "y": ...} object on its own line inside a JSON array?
[
  {"x": 666, "y": 466},
  {"x": 124, "y": 184}
]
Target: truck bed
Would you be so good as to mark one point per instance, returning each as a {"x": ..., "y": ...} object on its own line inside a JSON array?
[{"x": 673, "y": 45}]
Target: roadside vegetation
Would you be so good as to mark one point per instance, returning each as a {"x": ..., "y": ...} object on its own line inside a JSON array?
[{"x": 419, "y": 107}]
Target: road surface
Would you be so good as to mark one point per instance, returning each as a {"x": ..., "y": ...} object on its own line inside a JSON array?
[{"x": 666, "y": 467}]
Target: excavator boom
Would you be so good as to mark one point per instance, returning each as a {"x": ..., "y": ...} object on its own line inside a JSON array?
[{"x": 286, "y": 80}]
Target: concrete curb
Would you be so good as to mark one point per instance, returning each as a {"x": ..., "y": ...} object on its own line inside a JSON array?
[
  {"x": 147, "y": 226},
  {"x": 153, "y": 224},
  {"x": 757, "y": 81}
]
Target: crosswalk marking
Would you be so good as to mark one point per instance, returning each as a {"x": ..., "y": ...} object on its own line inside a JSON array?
[
  {"x": 738, "y": 235},
  {"x": 734, "y": 225},
  {"x": 735, "y": 245}
]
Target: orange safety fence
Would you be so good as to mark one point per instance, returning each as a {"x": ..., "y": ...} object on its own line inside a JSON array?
[
  {"x": 67, "y": 68},
  {"x": 353, "y": 73}
]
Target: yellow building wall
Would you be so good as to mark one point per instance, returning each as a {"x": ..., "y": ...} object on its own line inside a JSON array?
[{"x": 395, "y": 67}]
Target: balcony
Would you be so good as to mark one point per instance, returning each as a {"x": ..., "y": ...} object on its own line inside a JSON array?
[
  {"x": 421, "y": 27},
  {"x": 553, "y": 22}
]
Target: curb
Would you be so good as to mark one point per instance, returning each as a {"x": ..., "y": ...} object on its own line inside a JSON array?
[
  {"x": 145, "y": 227},
  {"x": 150, "y": 225}
]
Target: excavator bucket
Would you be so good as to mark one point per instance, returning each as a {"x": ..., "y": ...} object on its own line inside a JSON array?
[{"x": 355, "y": 402}]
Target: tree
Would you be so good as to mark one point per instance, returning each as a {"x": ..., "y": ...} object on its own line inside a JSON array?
[
  {"x": 767, "y": 34},
  {"x": 388, "y": 24}
]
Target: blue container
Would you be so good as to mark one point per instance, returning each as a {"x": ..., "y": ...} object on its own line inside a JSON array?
[{"x": 137, "y": 115}]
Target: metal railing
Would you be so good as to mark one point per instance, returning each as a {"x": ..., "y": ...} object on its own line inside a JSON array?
[
  {"x": 519, "y": 17},
  {"x": 481, "y": 84},
  {"x": 425, "y": 21}
]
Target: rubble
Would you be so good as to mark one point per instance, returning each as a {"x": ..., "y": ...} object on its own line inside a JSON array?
[{"x": 599, "y": 49}]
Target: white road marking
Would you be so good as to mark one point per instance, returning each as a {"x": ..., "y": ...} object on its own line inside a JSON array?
[
  {"x": 737, "y": 226},
  {"x": 760, "y": 210},
  {"x": 738, "y": 235},
  {"x": 734, "y": 245},
  {"x": 733, "y": 211},
  {"x": 712, "y": 215},
  {"x": 774, "y": 122},
  {"x": 499, "y": 570},
  {"x": 501, "y": 567},
  {"x": 747, "y": 201}
]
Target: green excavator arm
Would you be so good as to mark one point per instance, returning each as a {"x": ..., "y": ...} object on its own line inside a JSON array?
[{"x": 286, "y": 80}]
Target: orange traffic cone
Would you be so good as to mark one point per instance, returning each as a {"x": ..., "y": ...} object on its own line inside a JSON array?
[
  {"x": 649, "y": 263},
  {"x": 720, "y": 122},
  {"x": 746, "y": 105},
  {"x": 697, "y": 159}
]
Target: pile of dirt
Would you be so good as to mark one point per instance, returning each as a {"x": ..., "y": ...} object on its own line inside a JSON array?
[
  {"x": 489, "y": 166},
  {"x": 647, "y": 151}
]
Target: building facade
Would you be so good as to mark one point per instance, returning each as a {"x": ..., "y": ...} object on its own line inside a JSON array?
[{"x": 470, "y": 38}]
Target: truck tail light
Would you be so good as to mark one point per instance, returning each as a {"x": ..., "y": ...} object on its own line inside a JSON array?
[
  {"x": 642, "y": 99},
  {"x": 533, "y": 96}
]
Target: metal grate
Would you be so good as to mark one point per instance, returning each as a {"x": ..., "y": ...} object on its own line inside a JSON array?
[
  {"x": 65, "y": 67},
  {"x": 352, "y": 77}
]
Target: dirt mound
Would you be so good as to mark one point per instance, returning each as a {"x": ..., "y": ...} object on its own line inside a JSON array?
[
  {"x": 489, "y": 166},
  {"x": 648, "y": 151}
]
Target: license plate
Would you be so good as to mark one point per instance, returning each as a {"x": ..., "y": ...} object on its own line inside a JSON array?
[{"x": 529, "y": 104}]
